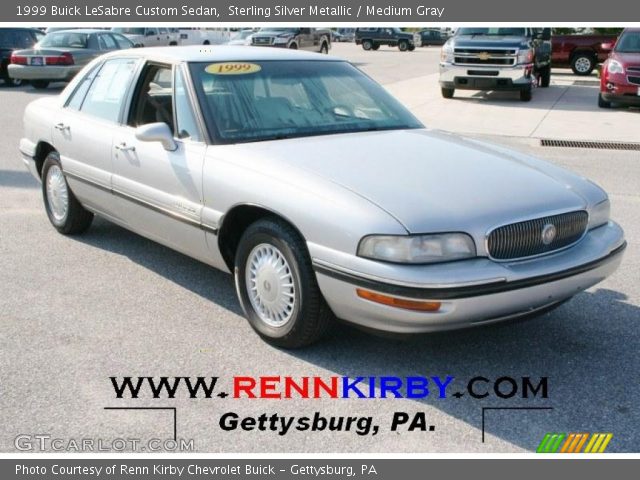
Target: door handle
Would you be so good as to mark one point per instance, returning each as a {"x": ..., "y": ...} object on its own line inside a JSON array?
[
  {"x": 62, "y": 127},
  {"x": 123, "y": 147}
]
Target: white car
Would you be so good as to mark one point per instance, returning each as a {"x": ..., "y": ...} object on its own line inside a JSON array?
[
  {"x": 149, "y": 36},
  {"x": 317, "y": 190}
]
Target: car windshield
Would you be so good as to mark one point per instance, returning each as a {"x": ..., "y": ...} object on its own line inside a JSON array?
[
  {"x": 268, "y": 100},
  {"x": 65, "y": 40},
  {"x": 629, "y": 42},
  {"x": 130, "y": 31},
  {"x": 511, "y": 32},
  {"x": 242, "y": 35}
]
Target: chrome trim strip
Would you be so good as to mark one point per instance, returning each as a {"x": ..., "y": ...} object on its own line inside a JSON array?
[{"x": 144, "y": 203}]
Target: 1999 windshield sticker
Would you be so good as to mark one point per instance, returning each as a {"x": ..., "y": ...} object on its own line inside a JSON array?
[{"x": 232, "y": 68}]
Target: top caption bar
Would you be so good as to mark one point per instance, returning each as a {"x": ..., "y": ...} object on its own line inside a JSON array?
[{"x": 348, "y": 11}]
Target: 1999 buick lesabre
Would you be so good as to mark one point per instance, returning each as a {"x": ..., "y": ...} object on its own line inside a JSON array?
[{"x": 320, "y": 192}]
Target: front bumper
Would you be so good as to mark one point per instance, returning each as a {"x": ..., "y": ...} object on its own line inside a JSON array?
[
  {"x": 471, "y": 292},
  {"x": 50, "y": 73},
  {"x": 470, "y": 77}
]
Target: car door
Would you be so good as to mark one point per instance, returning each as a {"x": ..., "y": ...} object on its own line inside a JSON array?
[
  {"x": 84, "y": 127},
  {"x": 159, "y": 188},
  {"x": 151, "y": 37}
]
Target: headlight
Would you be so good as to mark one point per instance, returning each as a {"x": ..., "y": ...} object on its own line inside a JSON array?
[
  {"x": 615, "y": 66},
  {"x": 435, "y": 248},
  {"x": 525, "y": 56},
  {"x": 599, "y": 214},
  {"x": 446, "y": 54},
  {"x": 281, "y": 40}
]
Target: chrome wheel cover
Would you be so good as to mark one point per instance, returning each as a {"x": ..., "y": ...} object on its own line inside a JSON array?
[
  {"x": 270, "y": 285},
  {"x": 57, "y": 193},
  {"x": 583, "y": 64}
]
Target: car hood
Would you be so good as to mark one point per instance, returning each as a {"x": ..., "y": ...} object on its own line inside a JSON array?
[
  {"x": 427, "y": 180},
  {"x": 627, "y": 58},
  {"x": 488, "y": 41}
]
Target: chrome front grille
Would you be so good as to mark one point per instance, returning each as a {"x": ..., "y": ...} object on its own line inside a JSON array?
[
  {"x": 533, "y": 237},
  {"x": 471, "y": 56}
]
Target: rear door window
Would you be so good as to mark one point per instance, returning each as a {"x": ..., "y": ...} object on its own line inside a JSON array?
[{"x": 106, "y": 95}]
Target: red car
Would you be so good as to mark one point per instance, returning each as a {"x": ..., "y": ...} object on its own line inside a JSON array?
[
  {"x": 620, "y": 79},
  {"x": 580, "y": 52}
]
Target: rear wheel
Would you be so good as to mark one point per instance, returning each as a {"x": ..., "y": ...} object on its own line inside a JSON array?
[
  {"x": 64, "y": 210},
  {"x": 583, "y": 63},
  {"x": 525, "y": 95},
  {"x": 12, "y": 82},
  {"x": 447, "y": 92},
  {"x": 602, "y": 103},
  {"x": 39, "y": 84},
  {"x": 277, "y": 287},
  {"x": 367, "y": 45},
  {"x": 545, "y": 77},
  {"x": 324, "y": 48},
  {"x": 293, "y": 46}
]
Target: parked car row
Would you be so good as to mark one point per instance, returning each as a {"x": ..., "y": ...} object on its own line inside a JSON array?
[{"x": 519, "y": 59}]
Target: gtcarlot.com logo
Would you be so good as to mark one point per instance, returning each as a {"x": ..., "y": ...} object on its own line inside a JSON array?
[{"x": 574, "y": 443}]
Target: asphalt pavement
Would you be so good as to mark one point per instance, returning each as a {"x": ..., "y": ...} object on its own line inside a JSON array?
[{"x": 75, "y": 311}]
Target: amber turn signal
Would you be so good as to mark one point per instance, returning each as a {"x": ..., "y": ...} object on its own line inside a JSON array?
[{"x": 398, "y": 302}]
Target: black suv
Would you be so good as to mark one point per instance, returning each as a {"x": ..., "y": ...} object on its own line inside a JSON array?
[
  {"x": 15, "y": 39},
  {"x": 372, "y": 38}
]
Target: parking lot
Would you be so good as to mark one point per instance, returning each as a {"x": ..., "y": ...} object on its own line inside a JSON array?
[{"x": 75, "y": 311}]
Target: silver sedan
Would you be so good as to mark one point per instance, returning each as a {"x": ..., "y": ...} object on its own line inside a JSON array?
[{"x": 319, "y": 192}]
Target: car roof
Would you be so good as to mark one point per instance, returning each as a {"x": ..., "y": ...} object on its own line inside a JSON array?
[
  {"x": 220, "y": 53},
  {"x": 80, "y": 30}
]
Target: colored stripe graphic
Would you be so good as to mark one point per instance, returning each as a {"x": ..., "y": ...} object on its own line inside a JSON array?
[{"x": 573, "y": 443}]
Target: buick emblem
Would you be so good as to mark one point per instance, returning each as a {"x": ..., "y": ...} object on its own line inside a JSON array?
[{"x": 548, "y": 233}]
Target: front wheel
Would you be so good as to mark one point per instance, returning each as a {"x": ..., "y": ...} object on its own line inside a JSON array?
[
  {"x": 525, "y": 95},
  {"x": 324, "y": 48},
  {"x": 602, "y": 103},
  {"x": 39, "y": 84},
  {"x": 367, "y": 44},
  {"x": 277, "y": 287},
  {"x": 64, "y": 210},
  {"x": 447, "y": 92},
  {"x": 403, "y": 46}
]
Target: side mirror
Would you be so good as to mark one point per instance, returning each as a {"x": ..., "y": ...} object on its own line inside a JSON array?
[
  {"x": 607, "y": 46},
  {"x": 157, "y": 132}
]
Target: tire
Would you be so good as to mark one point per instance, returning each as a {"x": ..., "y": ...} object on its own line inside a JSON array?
[
  {"x": 447, "y": 92},
  {"x": 39, "y": 84},
  {"x": 545, "y": 77},
  {"x": 602, "y": 103},
  {"x": 12, "y": 82},
  {"x": 307, "y": 317},
  {"x": 525, "y": 95},
  {"x": 206, "y": 42},
  {"x": 367, "y": 45},
  {"x": 403, "y": 46},
  {"x": 412, "y": 48},
  {"x": 376, "y": 46},
  {"x": 324, "y": 48},
  {"x": 293, "y": 46},
  {"x": 75, "y": 218},
  {"x": 583, "y": 63}
]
